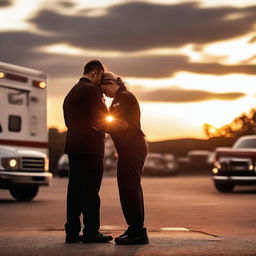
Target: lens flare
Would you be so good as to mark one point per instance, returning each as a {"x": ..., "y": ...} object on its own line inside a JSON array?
[{"x": 109, "y": 119}]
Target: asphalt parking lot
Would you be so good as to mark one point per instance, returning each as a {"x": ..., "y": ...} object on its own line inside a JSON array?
[{"x": 184, "y": 216}]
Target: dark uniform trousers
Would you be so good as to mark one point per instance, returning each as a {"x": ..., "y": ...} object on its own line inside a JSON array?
[
  {"x": 85, "y": 176},
  {"x": 129, "y": 170},
  {"x": 131, "y": 147}
]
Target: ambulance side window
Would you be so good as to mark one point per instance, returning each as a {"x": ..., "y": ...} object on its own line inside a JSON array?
[
  {"x": 14, "y": 123},
  {"x": 33, "y": 125},
  {"x": 16, "y": 98}
]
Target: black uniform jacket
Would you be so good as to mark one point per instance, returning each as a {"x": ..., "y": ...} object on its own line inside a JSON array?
[
  {"x": 82, "y": 105},
  {"x": 130, "y": 140}
]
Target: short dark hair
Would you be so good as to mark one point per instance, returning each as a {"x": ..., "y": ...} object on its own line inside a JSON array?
[{"x": 92, "y": 65}]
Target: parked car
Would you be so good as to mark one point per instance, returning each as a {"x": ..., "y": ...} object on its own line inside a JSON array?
[
  {"x": 110, "y": 163},
  {"x": 63, "y": 166},
  {"x": 171, "y": 163},
  {"x": 160, "y": 165},
  {"x": 236, "y": 165},
  {"x": 196, "y": 162}
]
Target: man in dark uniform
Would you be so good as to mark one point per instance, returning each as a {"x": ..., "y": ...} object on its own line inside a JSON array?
[{"x": 85, "y": 148}]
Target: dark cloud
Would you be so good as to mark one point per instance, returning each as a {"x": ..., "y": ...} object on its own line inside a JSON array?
[
  {"x": 138, "y": 25},
  {"x": 22, "y": 48},
  {"x": 64, "y": 70},
  {"x": 182, "y": 95},
  {"x": 66, "y": 4},
  {"x": 131, "y": 26},
  {"x": 166, "y": 66},
  {"x": 5, "y": 3},
  {"x": 252, "y": 40}
]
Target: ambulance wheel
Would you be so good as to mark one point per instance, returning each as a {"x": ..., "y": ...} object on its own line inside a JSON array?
[{"x": 23, "y": 192}]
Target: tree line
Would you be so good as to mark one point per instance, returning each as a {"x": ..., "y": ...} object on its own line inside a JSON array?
[{"x": 240, "y": 126}]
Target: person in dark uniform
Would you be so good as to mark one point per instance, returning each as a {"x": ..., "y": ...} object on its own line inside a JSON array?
[
  {"x": 85, "y": 149},
  {"x": 129, "y": 140}
]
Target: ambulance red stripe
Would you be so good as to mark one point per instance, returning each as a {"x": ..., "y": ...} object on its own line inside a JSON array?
[{"x": 23, "y": 143}]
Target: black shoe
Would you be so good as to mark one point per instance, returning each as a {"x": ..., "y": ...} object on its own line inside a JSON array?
[
  {"x": 96, "y": 238},
  {"x": 133, "y": 237},
  {"x": 72, "y": 239}
]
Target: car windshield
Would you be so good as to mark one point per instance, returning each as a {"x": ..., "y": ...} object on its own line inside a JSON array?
[{"x": 247, "y": 143}]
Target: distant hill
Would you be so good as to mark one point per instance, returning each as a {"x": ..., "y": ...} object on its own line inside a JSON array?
[{"x": 181, "y": 147}]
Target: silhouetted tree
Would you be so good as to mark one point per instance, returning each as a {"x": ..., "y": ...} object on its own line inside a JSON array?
[{"x": 244, "y": 124}]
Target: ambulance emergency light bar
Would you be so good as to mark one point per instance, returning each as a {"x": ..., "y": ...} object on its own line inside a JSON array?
[
  {"x": 14, "y": 77},
  {"x": 39, "y": 84},
  {"x": 23, "y": 79}
]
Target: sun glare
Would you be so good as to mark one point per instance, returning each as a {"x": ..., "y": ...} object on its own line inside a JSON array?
[
  {"x": 187, "y": 119},
  {"x": 211, "y": 83},
  {"x": 63, "y": 49},
  {"x": 236, "y": 50},
  {"x": 109, "y": 119},
  {"x": 15, "y": 16}
]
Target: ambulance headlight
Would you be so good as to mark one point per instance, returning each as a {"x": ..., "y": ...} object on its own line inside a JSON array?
[
  {"x": 46, "y": 164},
  {"x": 10, "y": 163}
]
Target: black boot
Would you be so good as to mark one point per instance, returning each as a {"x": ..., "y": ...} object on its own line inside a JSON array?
[
  {"x": 97, "y": 237},
  {"x": 72, "y": 239},
  {"x": 133, "y": 237}
]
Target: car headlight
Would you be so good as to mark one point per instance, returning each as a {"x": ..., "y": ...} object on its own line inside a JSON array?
[
  {"x": 10, "y": 163},
  {"x": 215, "y": 170}
]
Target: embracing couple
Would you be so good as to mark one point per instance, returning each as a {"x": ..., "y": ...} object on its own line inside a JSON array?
[{"x": 85, "y": 115}]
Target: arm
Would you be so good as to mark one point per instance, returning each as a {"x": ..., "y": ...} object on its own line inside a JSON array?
[
  {"x": 99, "y": 109},
  {"x": 119, "y": 114}
]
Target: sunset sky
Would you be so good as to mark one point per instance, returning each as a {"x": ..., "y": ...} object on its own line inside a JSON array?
[{"x": 188, "y": 62}]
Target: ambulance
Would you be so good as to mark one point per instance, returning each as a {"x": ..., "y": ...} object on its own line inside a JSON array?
[{"x": 23, "y": 131}]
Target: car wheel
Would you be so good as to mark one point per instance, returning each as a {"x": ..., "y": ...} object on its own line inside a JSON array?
[
  {"x": 23, "y": 192},
  {"x": 60, "y": 174},
  {"x": 224, "y": 187},
  {"x": 63, "y": 173}
]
